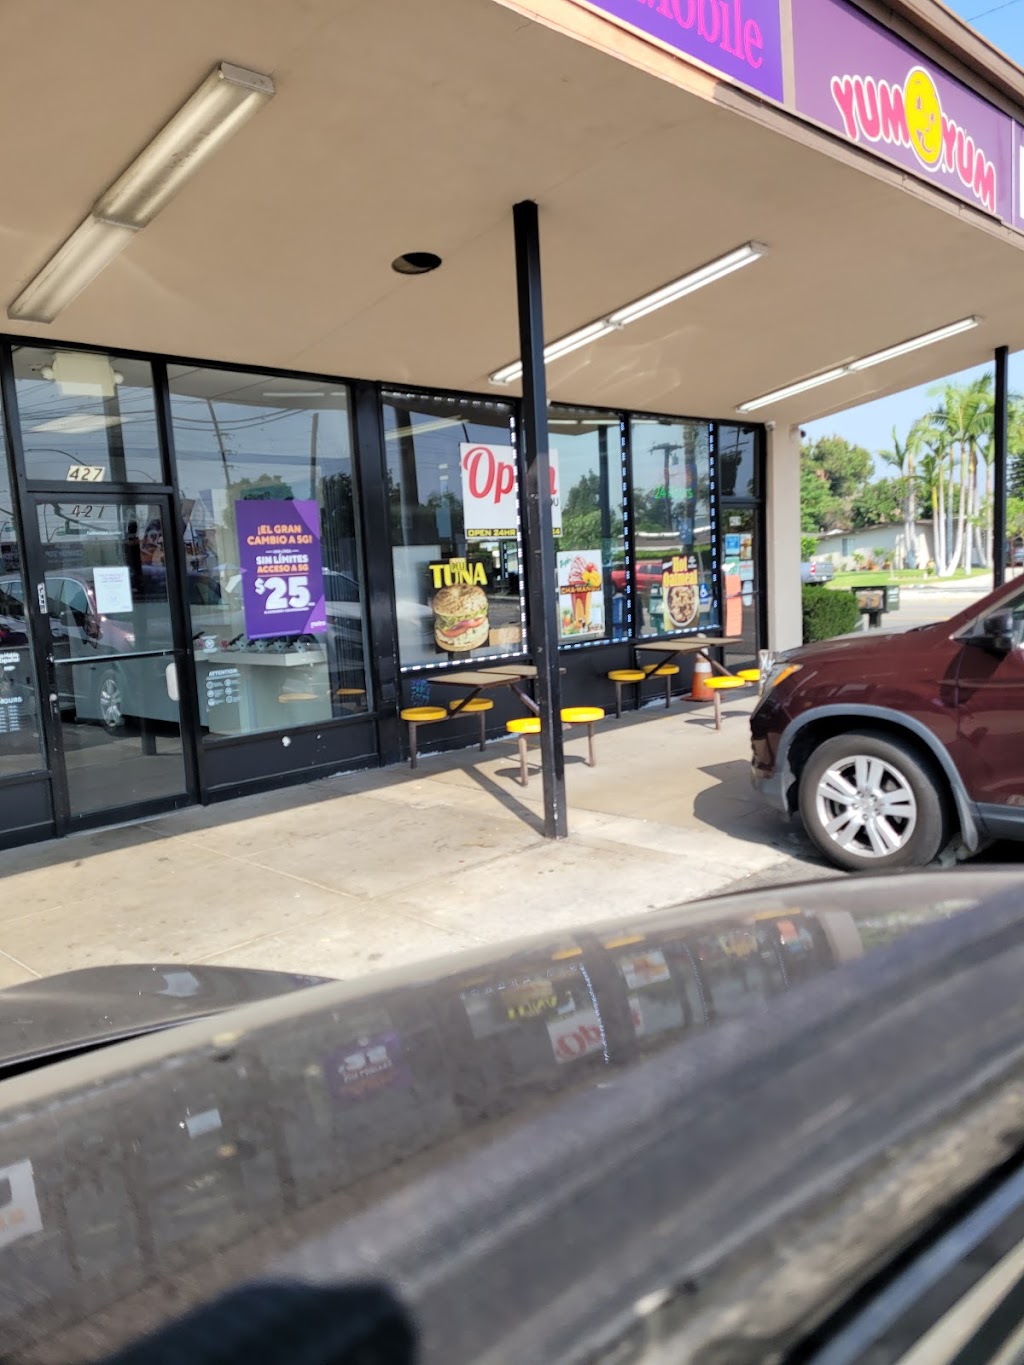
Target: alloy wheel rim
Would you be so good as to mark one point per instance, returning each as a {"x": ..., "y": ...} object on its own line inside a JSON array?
[
  {"x": 111, "y": 711},
  {"x": 866, "y": 806}
]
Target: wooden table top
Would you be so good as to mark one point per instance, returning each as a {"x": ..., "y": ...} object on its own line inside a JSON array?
[
  {"x": 688, "y": 646},
  {"x": 519, "y": 670},
  {"x": 480, "y": 679}
]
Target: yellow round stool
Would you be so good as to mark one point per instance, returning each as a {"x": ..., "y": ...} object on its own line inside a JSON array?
[
  {"x": 718, "y": 685},
  {"x": 584, "y": 715},
  {"x": 415, "y": 716},
  {"x": 521, "y": 727},
  {"x": 619, "y": 676},
  {"x": 750, "y": 675},
  {"x": 668, "y": 672},
  {"x": 474, "y": 706}
]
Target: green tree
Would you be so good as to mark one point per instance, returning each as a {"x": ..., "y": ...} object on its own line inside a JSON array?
[
  {"x": 832, "y": 470},
  {"x": 581, "y": 517},
  {"x": 878, "y": 504},
  {"x": 819, "y": 508},
  {"x": 1015, "y": 517},
  {"x": 904, "y": 457},
  {"x": 845, "y": 466},
  {"x": 964, "y": 419},
  {"x": 1015, "y": 449}
]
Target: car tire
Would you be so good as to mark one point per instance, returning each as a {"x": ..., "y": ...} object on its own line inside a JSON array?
[
  {"x": 109, "y": 700},
  {"x": 870, "y": 804}
]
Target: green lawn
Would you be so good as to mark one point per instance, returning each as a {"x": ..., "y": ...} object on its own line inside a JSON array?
[{"x": 877, "y": 578}]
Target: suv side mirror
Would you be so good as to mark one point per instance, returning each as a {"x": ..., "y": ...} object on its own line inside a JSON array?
[{"x": 997, "y": 632}]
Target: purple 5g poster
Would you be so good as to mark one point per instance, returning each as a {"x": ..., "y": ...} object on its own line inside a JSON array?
[{"x": 280, "y": 558}]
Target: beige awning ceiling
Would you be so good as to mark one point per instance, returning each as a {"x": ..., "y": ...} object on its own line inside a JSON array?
[{"x": 415, "y": 127}]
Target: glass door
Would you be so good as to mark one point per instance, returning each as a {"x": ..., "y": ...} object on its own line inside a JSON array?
[
  {"x": 114, "y": 670},
  {"x": 740, "y": 558}
]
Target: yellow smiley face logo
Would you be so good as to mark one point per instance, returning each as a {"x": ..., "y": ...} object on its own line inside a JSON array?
[{"x": 924, "y": 116}]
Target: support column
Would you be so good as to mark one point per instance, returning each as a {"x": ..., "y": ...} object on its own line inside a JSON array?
[
  {"x": 1000, "y": 467},
  {"x": 782, "y": 520},
  {"x": 539, "y": 543}
]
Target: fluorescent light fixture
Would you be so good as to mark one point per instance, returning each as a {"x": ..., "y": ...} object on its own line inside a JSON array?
[
  {"x": 689, "y": 284},
  {"x": 829, "y": 377},
  {"x": 640, "y": 308},
  {"x": 228, "y": 97},
  {"x": 905, "y": 347},
  {"x": 424, "y": 428},
  {"x": 583, "y": 337},
  {"x": 864, "y": 363},
  {"x": 77, "y": 423},
  {"x": 88, "y": 251}
]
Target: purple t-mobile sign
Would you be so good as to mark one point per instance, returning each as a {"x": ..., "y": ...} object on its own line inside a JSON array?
[
  {"x": 875, "y": 90},
  {"x": 741, "y": 39},
  {"x": 1018, "y": 177},
  {"x": 282, "y": 567}
]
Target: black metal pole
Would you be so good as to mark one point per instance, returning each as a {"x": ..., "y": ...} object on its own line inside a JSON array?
[
  {"x": 1000, "y": 468},
  {"x": 542, "y": 585}
]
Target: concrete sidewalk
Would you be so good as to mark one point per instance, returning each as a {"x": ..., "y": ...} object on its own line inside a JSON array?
[{"x": 365, "y": 871}]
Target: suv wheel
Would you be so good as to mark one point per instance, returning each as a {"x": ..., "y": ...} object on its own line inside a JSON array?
[
  {"x": 110, "y": 701},
  {"x": 870, "y": 803}
]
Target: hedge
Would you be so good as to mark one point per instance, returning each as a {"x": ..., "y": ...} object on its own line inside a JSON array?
[{"x": 828, "y": 612}]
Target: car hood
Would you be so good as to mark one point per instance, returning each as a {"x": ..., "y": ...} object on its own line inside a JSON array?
[
  {"x": 867, "y": 644},
  {"x": 80, "y": 1010},
  {"x": 674, "y": 1096}
]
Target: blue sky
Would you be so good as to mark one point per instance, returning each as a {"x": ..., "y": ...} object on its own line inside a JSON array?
[{"x": 1002, "y": 23}]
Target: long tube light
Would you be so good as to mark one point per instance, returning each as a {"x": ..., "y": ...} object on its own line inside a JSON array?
[
  {"x": 640, "y": 308},
  {"x": 227, "y": 98},
  {"x": 863, "y": 363}
]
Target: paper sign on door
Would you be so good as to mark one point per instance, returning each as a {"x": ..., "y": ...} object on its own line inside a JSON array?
[{"x": 113, "y": 587}]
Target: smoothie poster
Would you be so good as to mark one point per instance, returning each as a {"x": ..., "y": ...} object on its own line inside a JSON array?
[
  {"x": 580, "y": 594},
  {"x": 280, "y": 558}
]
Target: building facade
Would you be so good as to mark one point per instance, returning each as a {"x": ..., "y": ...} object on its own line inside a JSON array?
[{"x": 263, "y": 436}]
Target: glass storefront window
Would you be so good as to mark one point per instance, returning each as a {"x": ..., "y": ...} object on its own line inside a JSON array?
[
  {"x": 86, "y": 418},
  {"x": 272, "y": 548},
  {"x": 736, "y": 461},
  {"x": 20, "y": 739},
  {"x": 674, "y": 534},
  {"x": 454, "y": 528},
  {"x": 590, "y": 553}
]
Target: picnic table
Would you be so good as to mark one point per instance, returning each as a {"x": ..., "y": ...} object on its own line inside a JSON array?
[
  {"x": 479, "y": 680},
  {"x": 668, "y": 650}
]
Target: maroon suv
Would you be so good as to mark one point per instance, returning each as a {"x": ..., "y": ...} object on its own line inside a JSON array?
[{"x": 895, "y": 746}]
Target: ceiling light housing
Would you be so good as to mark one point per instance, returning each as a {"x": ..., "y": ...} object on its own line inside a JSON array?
[
  {"x": 226, "y": 99},
  {"x": 863, "y": 363},
  {"x": 915, "y": 344},
  {"x": 640, "y": 308},
  {"x": 416, "y": 263}
]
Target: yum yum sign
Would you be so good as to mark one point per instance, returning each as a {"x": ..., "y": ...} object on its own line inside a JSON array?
[{"x": 875, "y": 90}]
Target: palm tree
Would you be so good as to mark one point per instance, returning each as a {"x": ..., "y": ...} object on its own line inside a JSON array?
[
  {"x": 934, "y": 452},
  {"x": 965, "y": 418},
  {"x": 904, "y": 456}
]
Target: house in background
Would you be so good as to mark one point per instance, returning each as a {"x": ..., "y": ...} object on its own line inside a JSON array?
[{"x": 878, "y": 543}]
